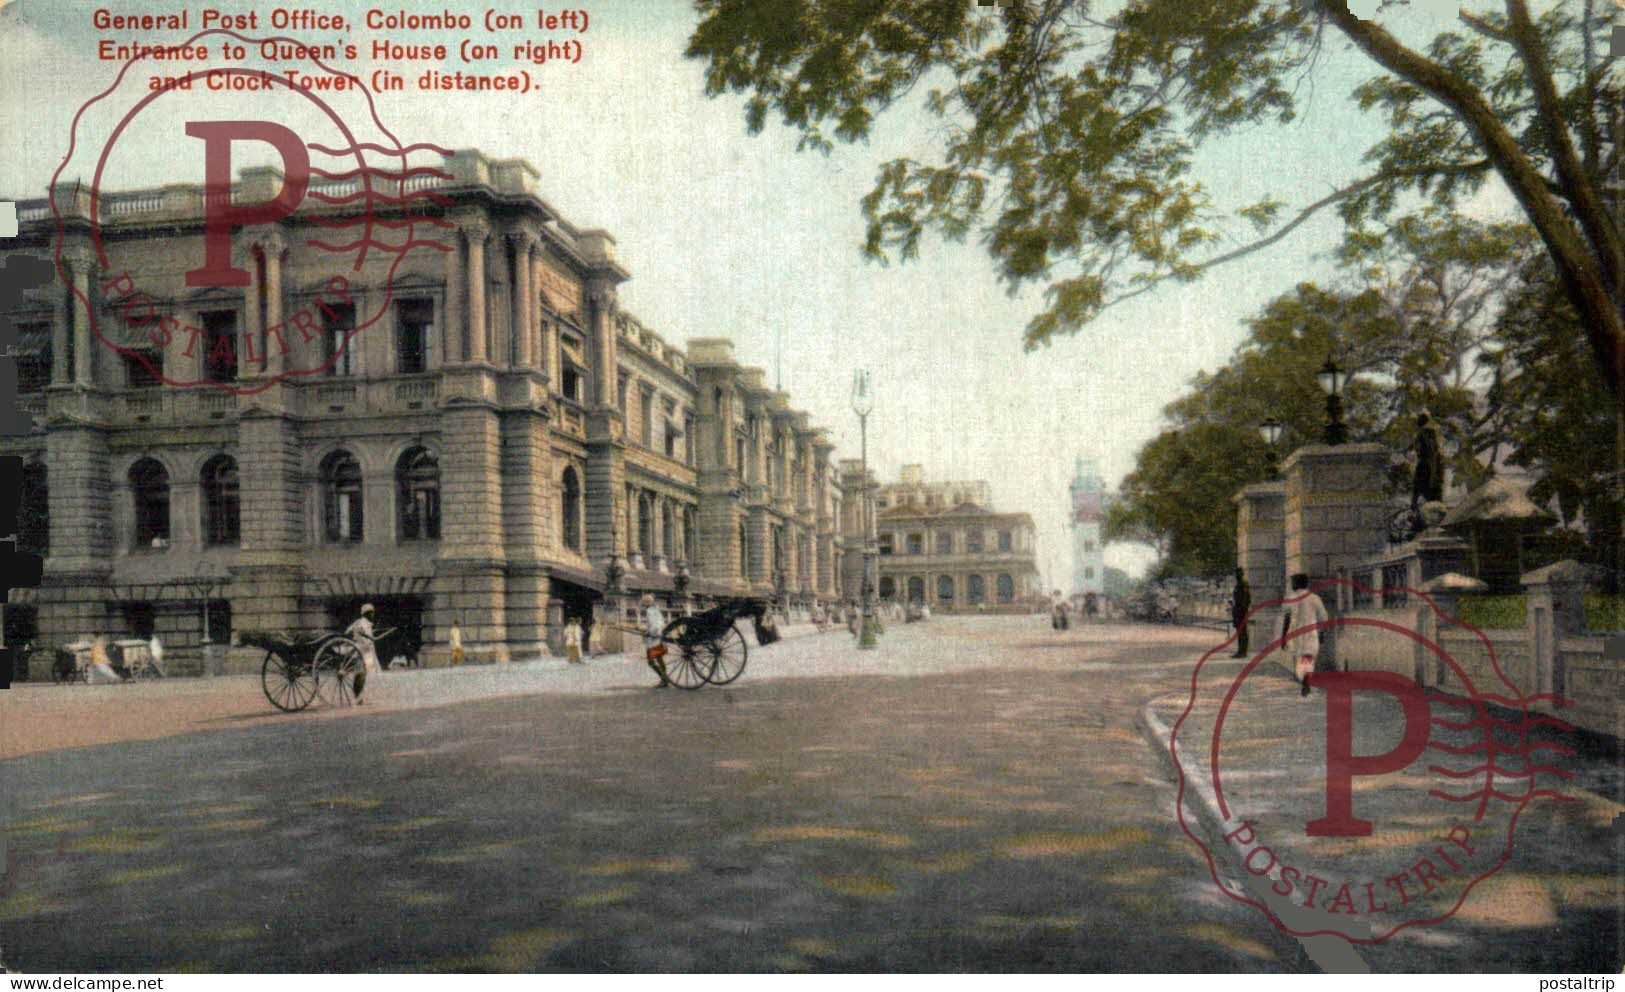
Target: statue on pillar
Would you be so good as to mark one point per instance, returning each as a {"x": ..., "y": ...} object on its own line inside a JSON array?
[{"x": 1427, "y": 479}]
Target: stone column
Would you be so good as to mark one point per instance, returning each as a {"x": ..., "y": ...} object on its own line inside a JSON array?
[
  {"x": 276, "y": 247},
  {"x": 546, "y": 350},
  {"x": 477, "y": 231},
  {"x": 61, "y": 321},
  {"x": 524, "y": 305},
  {"x": 254, "y": 325},
  {"x": 601, "y": 296},
  {"x": 453, "y": 321},
  {"x": 80, "y": 265}
]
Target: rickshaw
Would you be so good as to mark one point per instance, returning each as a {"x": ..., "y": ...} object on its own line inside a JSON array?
[
  {"x": 300, "y": 667},
  {"x": 707, "y": 647}
]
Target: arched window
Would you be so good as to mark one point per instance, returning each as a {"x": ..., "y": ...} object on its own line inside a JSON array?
[
  {"x": 1007, "y": 589},
  {"x": 34, "y": 511},
  {"x": 342, "y": 517},
  {"x": 916, "y": 590},
  {"x": 744, "y": 551},
  {"x": 149, "y": 484},
  {"x": 975, "y": 589},
  {"x": 687, "y": 548},
  {"x": 222, "y": 506},
  {"x": 888, "y": 587},
  {"x": 945, "y": 588},
  {"x": 668, "y": 532},
  {"x": 572, "y": 510},
  {"x": 417, "y": 500}
]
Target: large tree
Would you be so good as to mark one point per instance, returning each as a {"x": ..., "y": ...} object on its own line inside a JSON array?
[{"x": 1071, "y": 128}]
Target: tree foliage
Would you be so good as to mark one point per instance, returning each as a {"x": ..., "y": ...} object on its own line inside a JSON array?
[
  {"x": 1070, "y": 128},
  {"x": 1412, "y": 339},
  {"x": 1555, "y": 413}
]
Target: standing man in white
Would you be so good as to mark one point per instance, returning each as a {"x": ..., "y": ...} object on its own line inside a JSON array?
[
  {"x": 361, "y": 633},
  {"x": 1306, "y": 611}
]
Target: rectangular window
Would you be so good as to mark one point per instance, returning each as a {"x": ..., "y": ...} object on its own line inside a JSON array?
[
  {"x": 572, "y": 383},
  {"x": 623, "y": 388},
  {"x": 414, "y": 322},
  {"x": 945, "y": 543},
  {"x": 1004, "y": 540},
  {"x": 671, "y": 439},
  {"x": 647, "y": 429},
  {"x": 33, "y": 356},
  {"x": 220, "y": 345},
  {"x": 916, "y": 544},
  {"x": 338, "y": 357},
  {"x": 688, "y": 440},
  {"x": 885, "y": 544},
  {"x": 144, "y": 368},
  {"x": 973, "y": 542}
]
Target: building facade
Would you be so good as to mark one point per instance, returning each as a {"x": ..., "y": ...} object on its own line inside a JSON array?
[
  {"x": 942, "y": 544},
  {"x": 1088, "y": 492},
  {"x": 476, "y": 433}
]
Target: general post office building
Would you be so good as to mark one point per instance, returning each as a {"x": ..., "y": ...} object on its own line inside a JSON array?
[{"x": 474, "y": 433}]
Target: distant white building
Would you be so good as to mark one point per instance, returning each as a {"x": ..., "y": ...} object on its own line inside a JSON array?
[{"x": 1088, "y": 491}]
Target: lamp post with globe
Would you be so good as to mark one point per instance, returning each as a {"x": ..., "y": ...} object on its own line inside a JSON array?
[
  {"x": 863, "y": 403},
  {"x": 1332, "y": 380},
  {"x": 1270, "y": 431}
]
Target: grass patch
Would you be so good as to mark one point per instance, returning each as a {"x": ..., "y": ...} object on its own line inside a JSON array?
[
  {"x": 1605, "y": 612},
  {"x": 1493, "y": 612}
]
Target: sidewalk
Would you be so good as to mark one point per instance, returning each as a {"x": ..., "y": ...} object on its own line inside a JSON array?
[{"x": 1553, "y": 903}]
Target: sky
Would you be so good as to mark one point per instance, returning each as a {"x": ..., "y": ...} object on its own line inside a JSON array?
[{"x": 732, "y": 235}]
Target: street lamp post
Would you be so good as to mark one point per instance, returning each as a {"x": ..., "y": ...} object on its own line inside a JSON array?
[
  {"x": 863, "y": 402},
  {"x": 1332, "y": 380},
  {"x": 1270, "y": 430}
]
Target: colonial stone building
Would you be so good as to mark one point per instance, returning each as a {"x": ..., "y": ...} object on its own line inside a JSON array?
[
  {"x": 474, "y": 432},
  {"x": 942, "y": 543}
]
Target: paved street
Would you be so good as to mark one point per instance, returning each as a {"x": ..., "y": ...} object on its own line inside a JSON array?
[{"x": 981, "y": 794}]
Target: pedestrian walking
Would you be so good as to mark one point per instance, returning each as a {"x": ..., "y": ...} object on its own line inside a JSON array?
[
  {"x": 654, "y": 649},
  {"x": 455, "y": 638},
  {"x": 361, "y": 633},
  {"x": 572, "y": 641},
  {"x": 1304, "y": 612},
  {"x": 1241, "y": 600}
]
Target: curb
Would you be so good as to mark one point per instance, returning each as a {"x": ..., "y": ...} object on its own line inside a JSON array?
[{"x": 1328, "y": 954}]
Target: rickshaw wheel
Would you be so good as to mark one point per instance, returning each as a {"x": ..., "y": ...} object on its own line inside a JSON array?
[
  {"x": 728, "y": 654},
  {"x": 290, "y": 688},
  {"x": 334, "y": 670},
  {"x": 686, "y": 663}
]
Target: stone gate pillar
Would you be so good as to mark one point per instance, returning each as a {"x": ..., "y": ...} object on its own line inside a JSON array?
[
  {"x": 1336, "y": 514},
  {"x": 1260, "y": 553}
]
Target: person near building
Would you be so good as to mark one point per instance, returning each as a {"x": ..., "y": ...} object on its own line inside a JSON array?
[
  {"x": 654, "y": 648},
  {"x": 455, "y": 639},
  {"x": 572, "y": 641},
  {"x": 361, "y": 633},
  {"x": 1241, "y": 600},
  {"x": 155, "y": 651},
  {"x": 1303, "y": 611},
  {"x": 101, "y": 671}
]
